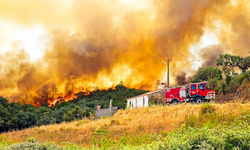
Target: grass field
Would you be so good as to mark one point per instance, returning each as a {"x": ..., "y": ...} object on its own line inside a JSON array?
[{"x": 137, "y": 127}]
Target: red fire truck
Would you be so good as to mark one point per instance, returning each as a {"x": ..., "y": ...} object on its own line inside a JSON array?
[{"x": 194, "y": 93}]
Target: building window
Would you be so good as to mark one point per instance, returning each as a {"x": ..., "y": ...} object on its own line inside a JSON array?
[
  {"x": 130, "y": 104},
  {"x": 143, "y": 101}
]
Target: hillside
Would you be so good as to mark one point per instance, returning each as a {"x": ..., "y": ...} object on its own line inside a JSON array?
[
  {"x": 15, "y": 116},
  {"x": 131, "y": 126}
]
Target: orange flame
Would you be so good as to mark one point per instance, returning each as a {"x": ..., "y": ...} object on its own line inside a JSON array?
[
  {"x": 37, "y": 104},
  {"x": 59, "y": 100}
]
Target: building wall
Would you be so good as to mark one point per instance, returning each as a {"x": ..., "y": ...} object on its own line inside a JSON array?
[
  {"x": 146, "y": 101},
  {"x": 105, "y": 112},
  {"x": 138, "y": 102}
]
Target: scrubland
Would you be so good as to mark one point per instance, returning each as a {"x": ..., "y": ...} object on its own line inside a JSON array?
[{"x": 138, "y": 127}]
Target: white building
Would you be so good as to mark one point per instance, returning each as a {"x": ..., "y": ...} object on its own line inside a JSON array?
[
  {"x": 138, "y": 101},
  {"x": 143, "y": 100}
]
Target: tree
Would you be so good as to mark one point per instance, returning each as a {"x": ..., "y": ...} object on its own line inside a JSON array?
[
  {"x": 120, "y": 86},
  {"x": 46, "y": 119},
  {"x": 3, "y": 101},
  {"x": 206, "y": 74},
  {"x": 228, "y": 62}
]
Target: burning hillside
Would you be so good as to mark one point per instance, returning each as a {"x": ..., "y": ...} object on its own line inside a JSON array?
[{"x": 83, "y": 45}]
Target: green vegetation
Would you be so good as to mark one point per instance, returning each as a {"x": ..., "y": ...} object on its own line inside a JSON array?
[
  {"x": 232, "y": 82},
  {"x": 228, "y": 62},
  {"x": 210, "y": 129},
  {"x": 207, "y": 74},
  {"x": 14, "y": 116},
  {"x": 207, "y": 137}
]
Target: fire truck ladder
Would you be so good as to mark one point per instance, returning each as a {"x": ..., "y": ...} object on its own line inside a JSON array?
[{"x": 237, "y": 95}]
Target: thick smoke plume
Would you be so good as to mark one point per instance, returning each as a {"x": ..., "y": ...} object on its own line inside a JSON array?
[
  {"x": 182, "y": 79},
  {"x": 210, "y": 55},
  {"x": 100, "y": 43}
]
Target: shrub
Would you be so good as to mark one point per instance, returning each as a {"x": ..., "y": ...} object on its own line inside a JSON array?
[
  {"x": 245, "y": 93},
  {"x": 233, "y": 86},
  {"x": 101, "y": 132},
  {"x": 217, "y": 90},
  {"x": 207, "y": 108},
  {"x": 32, "y": 140},
  {"x": 4, "y": 141},
  {"x": 32, "y": 146},
  {"x": 213, "y": 81},
  {"x": 219, "y": 137},
  {"x": 222, "y": 86},
  {"x": 244, "y": 84},
  {"x": 191, "y": 120},
  {"x": 140, "y": 128}
]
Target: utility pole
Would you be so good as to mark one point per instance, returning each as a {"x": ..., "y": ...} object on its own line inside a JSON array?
[{"x": 168, "y": 71}]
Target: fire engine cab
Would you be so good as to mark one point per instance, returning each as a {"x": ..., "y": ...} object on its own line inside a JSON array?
[{"x": 194, "y": 93}]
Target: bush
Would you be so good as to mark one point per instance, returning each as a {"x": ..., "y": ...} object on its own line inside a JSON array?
[
  {"x": 220, "y": 137},
  {"x": 101, "y": 132},
  {"x": 242, "y": 77},
  {"x": 233, "y": 86},
  {"x": 207, "y": 108},
  {"x": 32, "y": 146},
  {"x": 221, "y": 89},
  {"x": 32, "y": 140},
  {"x": 244, "y": 84},
  {"x": 214, "y": 81}
]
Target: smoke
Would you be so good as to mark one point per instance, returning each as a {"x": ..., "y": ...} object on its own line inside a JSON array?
[
  {"x": 182, "y": 79},
  {"x": 210, "y": 55},
  {"x": 100, "y": 43}
]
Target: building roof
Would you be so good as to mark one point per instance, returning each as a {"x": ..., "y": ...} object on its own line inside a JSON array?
[
  {"x": 137, "y": 96},
  {"x": 149, "y": 93}
]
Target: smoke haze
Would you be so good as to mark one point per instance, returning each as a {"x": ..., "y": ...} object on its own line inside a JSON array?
[{"x": 100, "y": 43}]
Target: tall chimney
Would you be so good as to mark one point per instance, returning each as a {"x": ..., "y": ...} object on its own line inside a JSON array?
[
  {"x": 162, "y": 85},
  {"x": 98, "y": 107},
  {"x": 110, "y": 107}
]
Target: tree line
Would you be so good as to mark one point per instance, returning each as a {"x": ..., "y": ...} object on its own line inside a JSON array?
[
  {"x": 227, "y": 79},
  {"x": 14, "y": 116}
]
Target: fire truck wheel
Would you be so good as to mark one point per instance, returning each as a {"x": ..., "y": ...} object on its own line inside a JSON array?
[
  {"x": 174, "y": 102},
  {"x": 198, "y": 100}
]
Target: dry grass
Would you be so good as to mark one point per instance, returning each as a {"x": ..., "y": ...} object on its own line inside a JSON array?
[{"x": 127, "y": 122}]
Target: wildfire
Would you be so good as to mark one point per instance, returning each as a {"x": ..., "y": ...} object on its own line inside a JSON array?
[
  {"x": 37, "y": 104},
  {"x": 114, "y": 42},
  {"x": 60, "y": 99},
  {"x": 67, "y": 98}
]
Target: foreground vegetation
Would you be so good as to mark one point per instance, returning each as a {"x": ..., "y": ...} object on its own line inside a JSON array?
[
  {"x": 208, "y": 137},
  {"x": 183, "y": 126}
]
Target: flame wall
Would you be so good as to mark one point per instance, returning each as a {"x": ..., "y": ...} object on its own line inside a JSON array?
[{"x": 92, "y": 44}]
